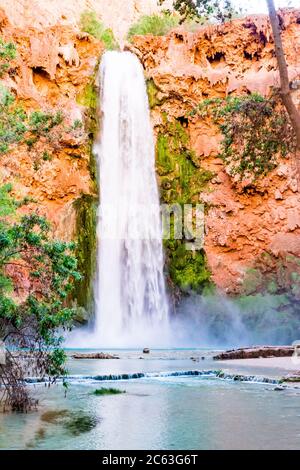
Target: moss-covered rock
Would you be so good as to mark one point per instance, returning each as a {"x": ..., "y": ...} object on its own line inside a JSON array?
[
  {"x": 89, "y": 99},
  {"x": 86, "y": 223},
  {"x": 153, "y": 94},
  {"x": 181, "y": 182},
  {"x": 86, "y": 208}
]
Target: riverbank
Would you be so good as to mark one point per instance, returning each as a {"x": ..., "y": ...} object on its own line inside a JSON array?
[{"x": 282, "y": 363}]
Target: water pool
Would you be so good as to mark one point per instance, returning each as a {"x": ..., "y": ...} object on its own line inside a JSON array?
[{"x": 185, "y": 412}]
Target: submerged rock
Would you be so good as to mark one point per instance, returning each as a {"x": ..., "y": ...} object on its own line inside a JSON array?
[{"x": 295, "y": 377}]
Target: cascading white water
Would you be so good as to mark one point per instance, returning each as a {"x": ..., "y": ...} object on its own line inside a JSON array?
[{"x": 131, "y": 301}]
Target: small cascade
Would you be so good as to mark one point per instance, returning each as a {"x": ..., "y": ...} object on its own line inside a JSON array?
[{"x": 201, "y": 374}]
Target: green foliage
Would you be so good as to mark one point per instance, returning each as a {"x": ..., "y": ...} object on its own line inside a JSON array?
[
  {"x": 270, "y": 316},
  {"x": 7, "y": 204},
  {"x": 89, "y": 23},
  {"x": 12, "y": 121},
  {"x": 181, "y": 182},
  {"x": 77, "y": 124},
  {"x": 41, "y": 123},
  {"x": 107, "y": 391},
  {"x": 16, "y": 126},
  {"x": 204, "y": 10},
  {"x": 26, "y": 246},
  {"x": 256, "y": 132},
  {"x": 156, "y": 25},
  {"x": 7, "y": 53},
  {"x": 46, "y": 156}
]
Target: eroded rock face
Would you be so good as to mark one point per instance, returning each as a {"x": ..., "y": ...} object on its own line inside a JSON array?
[
  {"x": 243, "y": 219},
  {"x": 50, "y": 73},
  {"x": 53, "y": 74},
  {"x": 53, "y": 69}
]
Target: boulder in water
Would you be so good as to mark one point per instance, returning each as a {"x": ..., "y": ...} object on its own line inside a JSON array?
[
  {"x": 146, "y": 351},
  {"x": 256, "y": 352},
  {"x": 98, "y": 355}
]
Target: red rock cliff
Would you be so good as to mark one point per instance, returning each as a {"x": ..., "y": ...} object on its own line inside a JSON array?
[
  {"x": 51, "y": 71},
  {"x": 187, "y": 68}
]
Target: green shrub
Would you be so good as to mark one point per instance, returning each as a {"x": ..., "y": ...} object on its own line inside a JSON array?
[
  {"x": 256, "y": 132},
  {"x": 12, "y": 121},
  {"x": 7, "y": 53},
  {"x": 35, "y": 323},
  {"x": 41, "y": 123},
  {"x": 16, "y": 126},
  {"x": 156, "y": 25},
  {"x": 89, "y": 23}
]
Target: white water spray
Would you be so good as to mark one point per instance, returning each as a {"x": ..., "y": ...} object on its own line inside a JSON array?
[{"x": 130, "y": 296}]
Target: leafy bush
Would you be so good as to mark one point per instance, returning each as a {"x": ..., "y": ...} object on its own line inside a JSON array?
[
  {"x": 204, "y": 10},
  {"x": 256, "y": 131},
  {"x": 27, "y": 249},
  {"x": 41, "y": 123},
  {"x": 89, "y": 23},
  {"x": 16, "y": 126},
  {"x": 7, "y": 53},
  {"x": 157, "y": 25},
  {"x": 12, "y": 121}
]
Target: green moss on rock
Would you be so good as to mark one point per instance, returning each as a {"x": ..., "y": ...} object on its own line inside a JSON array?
[
  {"x": 188, "y": 269},
  {"x": 181, "y": 182},
  {"x": 86, "y": 207},
  {"x": 86, "y": 222},
  {"x": 152, "y": 92},
  {"x": 89, "y": 98}
]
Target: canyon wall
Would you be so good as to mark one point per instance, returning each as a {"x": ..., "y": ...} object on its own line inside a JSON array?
[
  {"x": 243, "y": 218},
  {"x": 55, "y": 70},
  {"x": 53, "y": 170}
]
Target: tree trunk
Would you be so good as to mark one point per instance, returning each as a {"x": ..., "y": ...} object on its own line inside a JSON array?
[{"x": 284, "y": 81}]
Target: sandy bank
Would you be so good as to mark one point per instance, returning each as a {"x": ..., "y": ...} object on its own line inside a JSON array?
[{"x": 282, "y": 363}]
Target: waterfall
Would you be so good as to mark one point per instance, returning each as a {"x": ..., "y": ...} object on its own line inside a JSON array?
[{"x": 130, "y": 296}]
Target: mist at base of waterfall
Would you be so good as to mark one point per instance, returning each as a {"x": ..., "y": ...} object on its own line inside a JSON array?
[
  {"x": 212, "y": 321},
  {"x": 217, "y": 321},
  {"x": 140, "y": 335}
]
